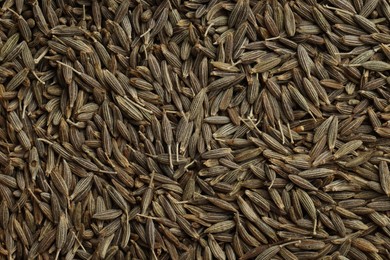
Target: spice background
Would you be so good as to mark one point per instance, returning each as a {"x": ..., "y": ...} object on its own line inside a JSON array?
[{"x": 197, "y": 129}]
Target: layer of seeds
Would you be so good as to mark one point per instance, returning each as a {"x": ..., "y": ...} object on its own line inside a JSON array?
[{"x": 195, "y": 129}]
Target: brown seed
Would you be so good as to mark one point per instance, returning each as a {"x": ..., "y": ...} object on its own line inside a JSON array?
[{"x": 347, "y": 148}]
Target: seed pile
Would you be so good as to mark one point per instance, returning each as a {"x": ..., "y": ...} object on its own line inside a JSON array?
[{"x": 198, "y": 129}]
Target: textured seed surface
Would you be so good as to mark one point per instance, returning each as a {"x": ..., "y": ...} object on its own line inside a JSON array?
[{"x": 194, "y": 129}]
